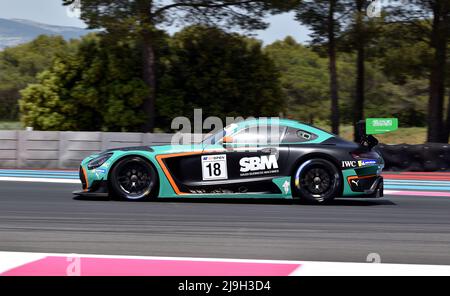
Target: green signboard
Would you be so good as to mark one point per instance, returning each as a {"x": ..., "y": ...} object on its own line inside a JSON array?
[{"x": 381, "y": 125}]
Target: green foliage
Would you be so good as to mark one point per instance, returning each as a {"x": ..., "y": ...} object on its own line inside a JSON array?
[
  {"x": 96, "y": 83},
  {"x": 400, "y": 53},
  {"x": 19, "y": 66},
  {"x": 140, "y": 19},
  {"x": 304, "y": 79},
  {"x": 96, "y": 88},
  {"x": 225, "y": 74}
]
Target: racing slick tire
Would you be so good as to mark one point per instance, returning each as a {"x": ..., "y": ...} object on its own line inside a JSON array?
[
  {"x": 317, "y": 181},
  {"x": 133, "y": 179}
]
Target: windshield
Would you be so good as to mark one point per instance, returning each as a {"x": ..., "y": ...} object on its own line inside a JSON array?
[{"x": 214, "y": 138}]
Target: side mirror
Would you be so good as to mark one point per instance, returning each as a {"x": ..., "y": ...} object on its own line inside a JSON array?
[{"x": 227, "y": 140}]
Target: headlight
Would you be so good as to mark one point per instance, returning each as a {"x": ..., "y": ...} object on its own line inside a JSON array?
[{"x": 98, "y": 161}]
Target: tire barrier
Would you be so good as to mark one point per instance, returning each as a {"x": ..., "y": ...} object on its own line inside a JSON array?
[{"x": 430, "y": 157}]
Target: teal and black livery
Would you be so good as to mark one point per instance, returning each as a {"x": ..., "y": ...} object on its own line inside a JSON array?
[{"x": 259, "y": 158}]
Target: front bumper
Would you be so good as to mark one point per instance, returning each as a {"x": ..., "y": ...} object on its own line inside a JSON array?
[
  {"x": 83, "y": 193},
  {"x": 98, "y": 188}
]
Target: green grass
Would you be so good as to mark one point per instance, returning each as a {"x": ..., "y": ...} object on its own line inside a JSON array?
[
  {"x": 409, "y": 135},
  {"x": 10, "y": 125}
]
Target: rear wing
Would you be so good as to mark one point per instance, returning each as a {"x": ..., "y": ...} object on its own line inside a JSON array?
[{"x": 372, "y": 126}]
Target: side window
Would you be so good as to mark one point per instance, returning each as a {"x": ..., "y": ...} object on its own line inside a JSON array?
[
  {"x": 294, "y": 135},
  {"x": 262, "y": 135}
]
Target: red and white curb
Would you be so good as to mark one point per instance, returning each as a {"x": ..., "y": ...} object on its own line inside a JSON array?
[{"x": 44, "y": 264}]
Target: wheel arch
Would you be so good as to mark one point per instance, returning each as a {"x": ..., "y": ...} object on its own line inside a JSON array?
[
  {"x": 316, "y": 155},
  {"x": 131, "y": 155}
]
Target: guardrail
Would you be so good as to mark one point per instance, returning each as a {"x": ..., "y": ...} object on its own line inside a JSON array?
[{"x": 65, "y": 150}]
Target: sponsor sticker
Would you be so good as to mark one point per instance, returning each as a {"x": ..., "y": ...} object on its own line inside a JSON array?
[
  {"x": 286, "y": 187},
  {"x": 359, "y": 163},
  {"x": 215, "y": 157},
  {"x": 349, "y": 163},
  {"x": 367, "y": 162},
  {"x": 266, "y": 164}
]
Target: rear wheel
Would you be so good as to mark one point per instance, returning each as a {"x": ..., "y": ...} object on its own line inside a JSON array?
[
  {"x": 133, "y": 179},
  {"x": 317, "y": 181}
]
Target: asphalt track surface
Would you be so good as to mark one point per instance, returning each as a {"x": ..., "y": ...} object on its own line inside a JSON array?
[{"x": 45, "y": 217}]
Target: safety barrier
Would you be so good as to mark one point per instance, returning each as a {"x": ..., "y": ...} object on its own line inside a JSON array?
[
  {"x": 430, "y": 157},
  {"x": 64, "y": 150}
]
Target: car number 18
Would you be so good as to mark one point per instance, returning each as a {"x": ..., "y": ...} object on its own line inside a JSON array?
[{"x": 214, "y": 167}]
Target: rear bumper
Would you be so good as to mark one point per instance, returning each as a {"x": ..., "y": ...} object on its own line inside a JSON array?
[
  {"x": 377, "y": 188},
  {"x": 367, "y": 186}
]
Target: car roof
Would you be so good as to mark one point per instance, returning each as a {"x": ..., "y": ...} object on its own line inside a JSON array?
[
  {"x": 279, "y": 121},
  {"x": 323, "y": 135}
]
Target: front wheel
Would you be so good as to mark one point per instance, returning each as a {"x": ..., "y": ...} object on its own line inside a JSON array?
[
  {"x": 317, "y": 181},
  {"x": 133, "y": 179}
]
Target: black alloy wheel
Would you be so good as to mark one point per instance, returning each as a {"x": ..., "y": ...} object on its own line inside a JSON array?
[
  {"x": 133, "y": 179},
  {"x": 317, "y": 181}
]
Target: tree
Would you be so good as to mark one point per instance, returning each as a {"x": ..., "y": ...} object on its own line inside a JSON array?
[
  {"x": 98, "y": 87},
  {"x": 359, "y": 42},
  {"x": 402, "y": 52},
  {"x": 323, "y": 18},
  {"x": 19, "y": 66},
  {"x": 224, "y": 74},
  {"x": 304, "y": 79},
  {"x": 358, "y": 36},
  {"x": 437, "y": 31},
  {"x": 142, "y": 17}
]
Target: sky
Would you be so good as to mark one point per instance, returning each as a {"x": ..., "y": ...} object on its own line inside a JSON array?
[{"x": 52, "y": 12}]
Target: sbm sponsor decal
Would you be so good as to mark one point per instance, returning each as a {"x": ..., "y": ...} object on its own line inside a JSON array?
[{"x": 266, "y": 164}]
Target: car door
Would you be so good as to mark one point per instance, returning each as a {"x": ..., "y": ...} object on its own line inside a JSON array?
[{"x": 251, "y": 154}]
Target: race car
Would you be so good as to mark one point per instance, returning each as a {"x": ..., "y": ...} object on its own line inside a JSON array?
[{"x": 249, "y": 159}]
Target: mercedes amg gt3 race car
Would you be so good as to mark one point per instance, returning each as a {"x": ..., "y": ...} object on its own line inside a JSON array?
[{"x": 249, "y": 159}]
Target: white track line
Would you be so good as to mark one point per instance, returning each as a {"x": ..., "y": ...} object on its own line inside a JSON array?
[
  {"x": 10, "y": 260},
  {"x": 310, "y": 268},
  {"x": 40, "y": 180}
]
